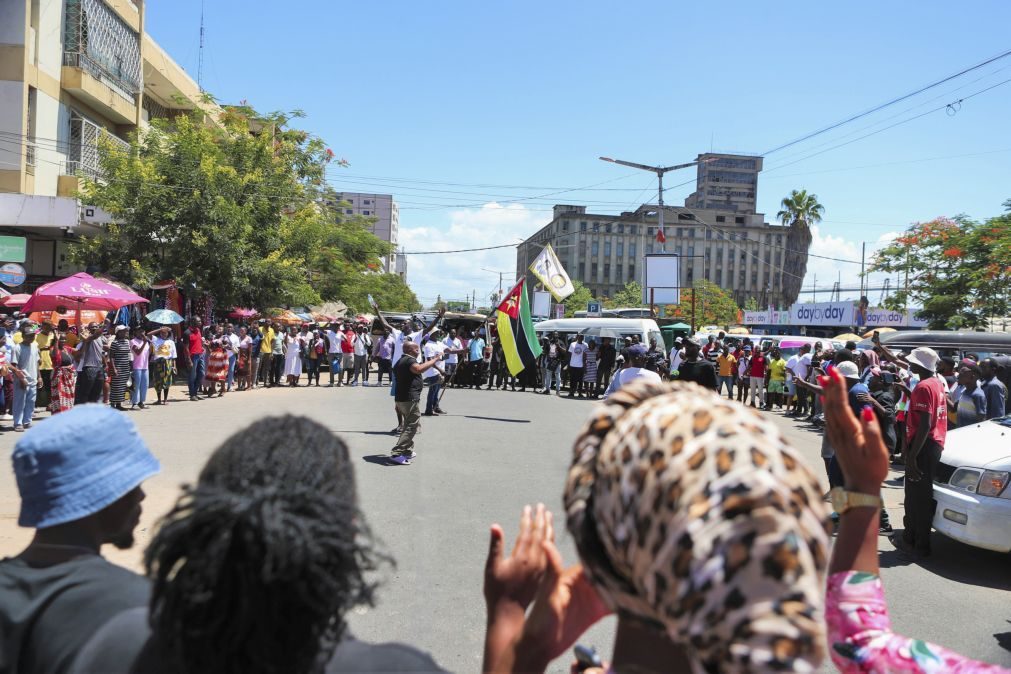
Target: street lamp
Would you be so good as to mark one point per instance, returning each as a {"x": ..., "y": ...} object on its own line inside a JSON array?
[{"x": 659, "y": 171}]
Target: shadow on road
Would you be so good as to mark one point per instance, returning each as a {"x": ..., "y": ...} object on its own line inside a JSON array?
[
  {"x": 1004, "y": 639},
  {"x": 380, "y": 460},
  {"x": 511, "y": 421},
  {"x": 951, "y": 559}
]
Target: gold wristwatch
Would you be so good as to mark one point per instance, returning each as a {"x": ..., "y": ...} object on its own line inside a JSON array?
[{"x": 843, "y": 500}]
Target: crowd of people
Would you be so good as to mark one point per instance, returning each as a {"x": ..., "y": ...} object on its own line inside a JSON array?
[{"x": 695, "y": 522}]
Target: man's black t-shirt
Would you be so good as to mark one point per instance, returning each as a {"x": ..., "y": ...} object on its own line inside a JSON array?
[
  {"x": 125, "y": 646},
  {"x": 607, "y": 356},
  {"x": 48, "y": 614},
  {"x": 409, "y": 385},
  {"x": 702, "y": 372}
]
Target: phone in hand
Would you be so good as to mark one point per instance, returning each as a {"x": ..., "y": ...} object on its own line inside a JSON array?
[
  {"x": 875, "y": 338},
  {"x": 586, "y": 657},
  {"x": 888, "y": 378}
]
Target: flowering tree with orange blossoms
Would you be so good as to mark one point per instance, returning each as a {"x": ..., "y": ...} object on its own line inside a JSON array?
[{"x": 958, "y": 270}]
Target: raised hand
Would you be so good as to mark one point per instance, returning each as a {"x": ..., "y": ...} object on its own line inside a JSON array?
[{"x": 859, "y": 447}]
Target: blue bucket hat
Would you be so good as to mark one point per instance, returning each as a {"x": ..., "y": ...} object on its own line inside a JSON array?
[{"x": 77, "y": 463}]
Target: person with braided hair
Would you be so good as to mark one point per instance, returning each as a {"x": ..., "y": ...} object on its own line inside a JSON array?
[{"x": 256, "y": 567}]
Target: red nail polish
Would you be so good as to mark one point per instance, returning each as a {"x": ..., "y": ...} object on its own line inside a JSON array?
[
  {"x": 868, "y": 413},
  {"x": 822, "y": 381}
]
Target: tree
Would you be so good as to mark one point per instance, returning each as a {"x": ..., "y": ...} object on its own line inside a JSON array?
[
  {"x": 957, "y": 269},
  {"x": 712, "y": 305},
  {"x": 235, "y": 209},
  {"x": 389, "y": 290},
  {"x": 578, "y": 300},
  {"x": 629, "y": 296},
  {"x": 751, "y": 304},
  {"x": 800, "y": 211}
]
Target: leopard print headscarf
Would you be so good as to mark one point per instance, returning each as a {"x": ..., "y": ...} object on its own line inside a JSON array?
[{"x": 693, "y": 515}]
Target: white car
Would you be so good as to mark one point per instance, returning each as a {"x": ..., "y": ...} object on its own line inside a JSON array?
[{"x": 972, "y": 487}]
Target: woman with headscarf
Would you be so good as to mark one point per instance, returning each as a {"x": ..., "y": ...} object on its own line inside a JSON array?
[
  {"x": 698, "y": 525},
  {"x": 120, "y": 366},
  {"x": 163, "y": 363},
  {"x": 64, "y": 381},
  {"x": 868, "y": 360}
]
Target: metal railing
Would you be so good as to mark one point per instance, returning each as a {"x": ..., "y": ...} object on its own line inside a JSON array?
[
  {"x": 98, "y": 41},
  {"x": 30, "y": 153},
  {"x": 84, "y": 154}
]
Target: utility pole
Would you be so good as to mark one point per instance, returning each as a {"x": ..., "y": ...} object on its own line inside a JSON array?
[
  {"x": 863, "y": 258},
  {"x": 814, "y": 284},
  {"x": 200, "y": 55}
]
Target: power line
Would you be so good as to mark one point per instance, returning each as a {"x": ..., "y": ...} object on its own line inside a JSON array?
[{"x": 876, "y": 108}]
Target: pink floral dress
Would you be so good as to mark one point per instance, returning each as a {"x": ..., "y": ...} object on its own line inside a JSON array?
[{"x": 861, "y": 639}]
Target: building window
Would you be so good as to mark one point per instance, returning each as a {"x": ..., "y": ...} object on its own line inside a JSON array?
[
  {"x": 621, "y": 249},
  {"x": 349, "y": 211},
  {"x": 607, "y": 272},
  {"x": 721, "y": 218},
  {"x": 565, "y": 225},
  {"x": 607, "y": 249},
  {"x": 582, "y": 226},
  {"x": 691, "y": 250},
  {"x": 779, "y": 239},
  {"x": 368, "y": 202},
  {"x": 678, "y": 250},
  {"x": 595, "y": 248},
  {"x": 619, "y": 273},
  {"x": 709, "y": 234},
  {"x": 631, "y": 272},
  {"x": 633, "y": 229},
  {"x": 596, "y": 226},
  {"x": 631, "y": 248},
  {"x": 621, "y": 228},
  {"x": 650, "y": 231},
  {"x": 739, "y": 219},
  {"x": 366, "y": 213},
  {"x": 593, "y": 272},
  {"x": 691, "y": 232},
  {"x": 649, "y": 249},
  {"x": 607, "y": 227}
]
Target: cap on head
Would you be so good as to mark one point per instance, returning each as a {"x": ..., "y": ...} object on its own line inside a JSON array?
[
  {"x": 77, "y": 463},
  {"x": 925, "y": 357},
  {"x": 637, "y": 351},
  {"x": 848, "y": 369},
  {"x": 29, "y": 328}
]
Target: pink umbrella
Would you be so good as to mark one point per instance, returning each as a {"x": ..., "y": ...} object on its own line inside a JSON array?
[
  {"x": 81, "y": 291},
  {"x": 239, "y": 312},
  {"x": 15, "y": 300}
]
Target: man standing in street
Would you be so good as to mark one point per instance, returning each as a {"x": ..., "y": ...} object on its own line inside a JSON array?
[
  {"x": 25, "y": 366},
  {"x": 361, "y": 345},
  {"x": 696, "y": 369},
  {"x": 476, "y": 360},
  {"x": 799, "y": 370},
  {"x": 635, "y": 369},
  {"x": 926, "y": 428},
  {"x": 994, "y": 389},
  {"x": 454, "y": 347},
  {"x": 968, "y": 402},
  {"x": 335, "y": 352},
  {"x": 401, "y": 337},
  {"x": 408, "y": 377},
  {"x": 757, "y": 378},
  {"x": 79, "y": 475},
  {"x": 727, "y": 366},
  {"x": 578, "y": 351},
  {"x": 266, "y": 345},
  {"x": 91, "y": 376},
  {"x": 194, "y": 344},
  {"x": 605, "y": 363},
  {"x": 434, "y": 350}
]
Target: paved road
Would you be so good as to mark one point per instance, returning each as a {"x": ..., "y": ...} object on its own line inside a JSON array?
[{"x": 495, "y": 452}]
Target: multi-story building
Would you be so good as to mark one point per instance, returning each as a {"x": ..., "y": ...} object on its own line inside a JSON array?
[
  {"x": 727, "y": 243},
  {"x": 401, "y": 266},
  {"x": 72, "y": 72},
  {"x": 385, "y": 214}
]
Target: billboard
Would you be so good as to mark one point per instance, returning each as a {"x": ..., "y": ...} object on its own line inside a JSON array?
[
  {"x": 663, "y": 279},
  {"x": 836, "y": 314}
]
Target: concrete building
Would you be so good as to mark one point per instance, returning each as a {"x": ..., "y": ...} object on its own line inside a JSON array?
[
  {"x": 401, "y": 266},
  {"x": 72, "y": 72},
  {"x": 733, "y": 245},
  {"x": 384, "y": 210}
]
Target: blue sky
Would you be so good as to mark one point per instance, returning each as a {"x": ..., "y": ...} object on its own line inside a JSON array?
[{"x": 483, "y": 100}]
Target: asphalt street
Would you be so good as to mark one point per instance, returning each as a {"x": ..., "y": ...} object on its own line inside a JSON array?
[{"x": 493, "y": 453}]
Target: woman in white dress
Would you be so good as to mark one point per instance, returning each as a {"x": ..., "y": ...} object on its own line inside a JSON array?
[{"x": 293, "y": 345}]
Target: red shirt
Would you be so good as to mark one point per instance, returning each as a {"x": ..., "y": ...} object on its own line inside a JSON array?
[
  {"x": 928, "y": 397},
  {"x": 757, "y": 365},
  {"x": 196, "y": 343}
]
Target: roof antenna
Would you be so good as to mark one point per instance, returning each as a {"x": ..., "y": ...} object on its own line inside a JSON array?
[{"x": 200, "y": 57}]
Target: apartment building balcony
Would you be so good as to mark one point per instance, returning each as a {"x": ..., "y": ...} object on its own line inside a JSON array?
[{"x": 84, "y": 151}]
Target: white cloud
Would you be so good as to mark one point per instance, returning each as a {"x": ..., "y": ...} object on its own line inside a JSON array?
[
  {"x": 455, "y": 276},
  {"x": 827, "y": 272}
]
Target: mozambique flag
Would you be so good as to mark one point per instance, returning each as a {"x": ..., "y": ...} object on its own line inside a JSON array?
[{"x": 516, "y": 331}]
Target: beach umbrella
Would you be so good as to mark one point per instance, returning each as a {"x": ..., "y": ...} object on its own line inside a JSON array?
[
  {"x": 164, "y": 317},
  {"x": 870, "y": 333},
  {"x": 82, "y": 291},
  {"x": 18, "y": 300},
  {"x": 847, "y": 337},
  {"x": 239, "y": 312}
]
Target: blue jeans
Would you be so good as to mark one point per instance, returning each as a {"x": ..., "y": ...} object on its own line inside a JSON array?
[
  {"x": 433, "y": 395},
  {"x": 555, "y": 372},
  {"x": 231, "y": 371},
  {"x": 729, "y": 381},
  {"x": 197, "y": 369},
  {"x": 140, "y": 384},
  {"x": 24, "y": 403}
]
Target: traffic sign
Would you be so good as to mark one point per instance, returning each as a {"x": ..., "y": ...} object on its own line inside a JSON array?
[
  {"x": 593, "y": 310},
  {"x": 12, "y": 274}
]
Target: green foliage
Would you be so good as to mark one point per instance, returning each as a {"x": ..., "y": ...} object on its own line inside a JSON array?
[
  {"x": 712, "y": 305},
  {"x": 629, "y": 296},
  {"x": 389, "y": 290},
  {"x": 236, "y": 209},
  {"x": 800, "y": 207},
  {"x": 460, "y": 306},
  {"x": 751, "y": 304},
  {"x": 958, "y": 270},
  {"x": 577, "y": 301}
]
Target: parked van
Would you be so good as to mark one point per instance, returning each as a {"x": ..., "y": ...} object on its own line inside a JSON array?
[
  {"x": 789, "y": 345},
  {"x": 620, "y": 328},
  {"x": 947, "y": 343}
]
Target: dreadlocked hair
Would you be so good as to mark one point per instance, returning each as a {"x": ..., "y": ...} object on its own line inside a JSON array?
[{"x": 255, "y": 567}]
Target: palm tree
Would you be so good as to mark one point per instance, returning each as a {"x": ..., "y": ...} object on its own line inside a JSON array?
[{"x": 800, "y": 211}]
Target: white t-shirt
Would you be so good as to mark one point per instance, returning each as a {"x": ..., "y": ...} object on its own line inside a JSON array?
[
  {"x": 577, "y": 349},
  {"x": 431, "y": 350},
  {"x": 677, "y": 359},
  {"x": 398, "y": 343},
  {"x": 803, "y": 366},
  {"x": 628, "y": 374},
  {"x": 743, "y": 366},
  {"x": 233, "y": 340},
  {"x": 336, "y": 338},
  {"x": 791, "y": 366},
  {"x": 361, "y": 344},
  {"x": 453, "y": 344}
]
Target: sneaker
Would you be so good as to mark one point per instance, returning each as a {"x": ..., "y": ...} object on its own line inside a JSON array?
[
  {"x": 439, "y": 410},
  {"x": 411, "y": 455},
  {"x": 401, "y": 459},
  {"x": 19, "y": 428},
  {"x": 365, "y": 383},
  {"x": 8, "y": 417},
  {"x": 429, "y": 413},
  {"x": 397, "y": 431}
]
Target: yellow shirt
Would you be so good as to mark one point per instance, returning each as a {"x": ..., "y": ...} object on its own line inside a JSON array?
[
  {"x": 726, "y": 364},
  {"x": 777, "y": 370},
  {"x": 268, "y": 339}
]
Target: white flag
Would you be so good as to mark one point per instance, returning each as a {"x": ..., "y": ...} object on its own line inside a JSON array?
[{"x": 551, "y": 274}]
